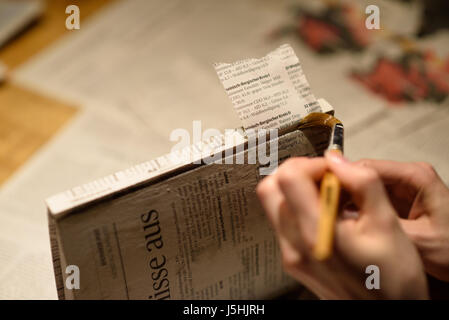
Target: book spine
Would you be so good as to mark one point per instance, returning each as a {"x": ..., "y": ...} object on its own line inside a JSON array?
[
  {"x": 56, "y": 258},
  {"x": 144, "y": 172}
]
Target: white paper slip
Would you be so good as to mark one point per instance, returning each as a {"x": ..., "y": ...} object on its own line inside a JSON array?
[{"x": 270, "y": 92}]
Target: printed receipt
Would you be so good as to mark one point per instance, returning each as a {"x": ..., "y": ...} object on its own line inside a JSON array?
[{"x": 271, "y": 92}]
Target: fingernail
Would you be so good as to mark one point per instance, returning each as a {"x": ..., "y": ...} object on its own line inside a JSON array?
[{"x": 335, "y": 156}]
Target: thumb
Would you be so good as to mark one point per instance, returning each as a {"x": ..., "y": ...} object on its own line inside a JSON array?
[{"x": 362, "y": 183}]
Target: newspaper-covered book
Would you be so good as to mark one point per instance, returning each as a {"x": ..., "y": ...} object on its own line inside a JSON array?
[
  {"x": 165, "y": 231},
  {"x": 188, "y": 225}
]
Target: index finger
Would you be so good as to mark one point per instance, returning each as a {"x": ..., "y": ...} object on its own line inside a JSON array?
[
  {"x": 363, "y": 184},
  {"x": 298, "y": 179}
]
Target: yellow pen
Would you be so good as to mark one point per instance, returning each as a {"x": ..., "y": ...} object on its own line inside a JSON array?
[{"x": 329, "y": 200}]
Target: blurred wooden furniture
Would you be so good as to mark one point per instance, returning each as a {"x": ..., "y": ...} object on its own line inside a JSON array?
[{"x": 27, "y": 119}]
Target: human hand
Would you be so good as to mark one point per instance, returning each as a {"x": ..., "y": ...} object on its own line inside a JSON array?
[
  {"x": 290, "y": 198},
  {"x": 422, "y": 201}
]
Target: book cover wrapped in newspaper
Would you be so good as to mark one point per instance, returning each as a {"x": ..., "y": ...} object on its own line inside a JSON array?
[{"x": 191, "y": 227}]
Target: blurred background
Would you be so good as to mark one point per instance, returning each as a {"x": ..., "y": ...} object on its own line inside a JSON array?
[{"x": 76, "y": 105}]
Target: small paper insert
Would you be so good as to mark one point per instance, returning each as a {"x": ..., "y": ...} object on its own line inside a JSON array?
[{"x": 271, "y": 92}]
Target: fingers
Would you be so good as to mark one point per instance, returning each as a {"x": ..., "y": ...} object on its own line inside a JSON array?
[
  {"x": 273, "y": 202},
  {"x": 271, "y": 199},
  {"x": 298, "y": 179},
  {"x": 288, "y": 224},
  {"x": 417, "y": 230},
  {"x": 416, "y": 174},
  {"x": 282, "y": 220},
  {"x": 290, "y": 198},
  {"x": 363, "y": 183}
]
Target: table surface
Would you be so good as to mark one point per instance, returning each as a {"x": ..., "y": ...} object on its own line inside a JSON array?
[{"x": 28, "y": 119}]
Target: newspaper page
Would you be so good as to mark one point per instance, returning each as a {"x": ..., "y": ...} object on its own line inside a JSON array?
[{"x": 271, "y": 92}]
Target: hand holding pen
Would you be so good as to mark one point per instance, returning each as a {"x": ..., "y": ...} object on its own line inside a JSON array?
[{"x": 372, "y": 236}]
